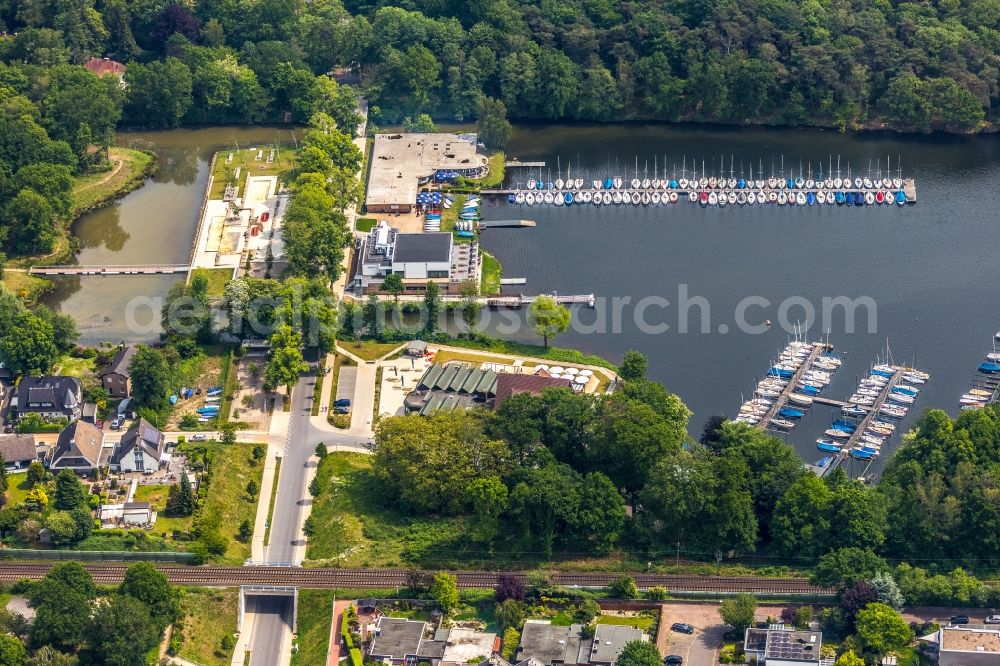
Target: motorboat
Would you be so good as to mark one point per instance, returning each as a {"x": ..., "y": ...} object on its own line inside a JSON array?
[
  {"x": 905, "y": 390},
  {"x": 853, "y": 410},
  {"x": 989, "y": 367},
  {"x": 980, "y": 392},
  {"x": 791, "y": 413},
  {"x": 894, "y": 412},
  {"x": 800, "y": 399},
  {"x": 783, "y": 423}
]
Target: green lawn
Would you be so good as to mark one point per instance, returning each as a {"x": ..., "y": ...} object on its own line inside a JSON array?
[
  {"x": 93, "y": 189},
  {"x": 217, "y": 279},
  {"x": 643, "y": 622},
  {"x": 75, "y": 367},
  {"x": 17, "y": 488},
  {"x": 353, "y": 529},
  {"x": 315, "y": 615},
  {"x": 365, "y": 224},
  {"x": 206, "y": 616},
  {"x": 495, "y": 177},
  {"x": 369, "y": 350},
  {"x": 246, "y": 160},
  {"x": 156, "y": 495},
  {"x": 491, "y": 275}
]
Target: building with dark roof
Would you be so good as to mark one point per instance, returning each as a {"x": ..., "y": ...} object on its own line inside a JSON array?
[
  {"x": 780, "y": 645},
  {"x": 18, "y": 451},
  {"x": 451, "y": 386},
  {"x": 116, "y": 378},
  {"x": 401, "y": 641},
  {"x": 416, "y": 257},
  {"x": 50, "y": 397},
  {"x": 78, "y": 448},
  {"x": 142, "y": 449},
  {"x": 554, "y": 645},
  {"x": 509, "y": 384}
]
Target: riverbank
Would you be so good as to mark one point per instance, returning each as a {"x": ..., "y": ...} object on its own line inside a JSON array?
[{"x": 129, "y": 170}]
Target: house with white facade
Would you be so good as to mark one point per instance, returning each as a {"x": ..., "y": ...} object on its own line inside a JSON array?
[{"x": 142, "y": 449}]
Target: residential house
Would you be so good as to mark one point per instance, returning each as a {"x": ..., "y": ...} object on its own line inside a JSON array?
[
  {"x": 969, "y": 645},
  {"x": 116, "y": 378},
  {"x": 50, "y": 397},
  {"x": 142, "y": 448},
  {"x": 129, "y": 514},
  {"x": 554, "y": 645},
  {"x": 107, "y": 67},
  {"x": 18, "y": 451},
  {"x": 405, "y": 642},
  {"x": 782, "y": 645},
  {"x": 78, "y": 448}
]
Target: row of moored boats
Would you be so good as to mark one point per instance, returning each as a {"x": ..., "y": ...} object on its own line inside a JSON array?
[
  {"x": 877, "y": 392},
  {"x": 713, "y": 192},
  {"x": 984, "y": 389},
  {"x": 774, "y": 387},
  {"x": 467, "y": 223}
]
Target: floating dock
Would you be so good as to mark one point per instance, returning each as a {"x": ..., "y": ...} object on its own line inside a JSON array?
[
  {"x": 519, "y": 300},
  {"x": 512, "y": 281},
  {"x": 496, "y": 224},
  {"x": 513, "y": 164},
  {"x": 765, "y": 421},
  {"x": 873, "y": 412}
]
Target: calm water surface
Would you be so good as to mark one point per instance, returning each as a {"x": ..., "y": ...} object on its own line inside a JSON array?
[
  {"x": 153, "y": 225},
  {"x": 929, "y": 268}
]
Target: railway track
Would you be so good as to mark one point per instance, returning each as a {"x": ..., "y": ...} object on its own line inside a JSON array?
[{"x": 215, "y": 576}]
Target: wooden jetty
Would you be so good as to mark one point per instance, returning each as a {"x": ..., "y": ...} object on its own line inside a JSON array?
[
  {"x": 765, "y": 421},
  {"x": 496, "y": 224},
  {"x": 820, "y": 400},
  {"x": 512, "y": 281},
  {"x": 513, "y": 164},
  {"x": 866, "y": 421},
  {"x": 164, "y": 269}
]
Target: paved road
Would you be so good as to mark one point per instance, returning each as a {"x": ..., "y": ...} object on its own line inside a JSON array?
[{"x": 291, "y": 504}]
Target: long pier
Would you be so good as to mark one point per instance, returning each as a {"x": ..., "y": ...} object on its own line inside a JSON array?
[
  {"x": 866, "y": 421},
  {"x": 164, "y": 269},
  {"x": 817, "y": 349},
  {"x": 494, "y": 224},
  {"x": 513, "y": 164}
]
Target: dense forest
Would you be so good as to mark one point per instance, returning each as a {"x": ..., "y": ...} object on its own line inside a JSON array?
[
  {"x": 566, "y": 474},
  {"x": 842, "y": 63}
]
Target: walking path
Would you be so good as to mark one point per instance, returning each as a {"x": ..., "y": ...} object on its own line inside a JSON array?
[{"x": 333, "y": 651}]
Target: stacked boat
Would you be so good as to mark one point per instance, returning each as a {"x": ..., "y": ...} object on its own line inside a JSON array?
[
  {"x": 210, "y": 410},
  {"x": 468, "y": 218},
  {"x": 713, "y": 191},
  {"x": 774, "y": 386}
]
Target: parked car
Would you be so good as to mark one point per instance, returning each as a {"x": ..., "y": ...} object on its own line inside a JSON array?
[
  {"x": 343, "y": 402},
  {"x": 117, "y": 423},
  {"x": 992, "y": 619},
  {"x": 341, "y": 410},
  {"x": 682, "y": 627},
  {"x": 8, "y": 428},
  {"x": 199, "y": 438},
  {"x": 959, "y": 619},
  {"x": 673, "y": 660}
]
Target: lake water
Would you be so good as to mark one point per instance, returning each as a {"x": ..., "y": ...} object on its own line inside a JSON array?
[{"x": 928, "y": 268}]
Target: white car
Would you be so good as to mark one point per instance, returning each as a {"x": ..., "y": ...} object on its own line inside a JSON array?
[{"x": 199, "y": 438}]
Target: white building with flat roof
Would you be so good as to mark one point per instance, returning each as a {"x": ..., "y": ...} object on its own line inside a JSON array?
[
  {"x": 969, "y": 645},
  {"x": 402, "y": 162}
]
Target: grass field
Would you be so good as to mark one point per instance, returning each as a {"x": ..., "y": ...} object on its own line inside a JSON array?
[
  {"x": 217, "y": 279},
  {"x": 246, "y": 160},
  {"x": 353, "y": 528},
  {"x": 27, "y": 287},
  {"x": 227, "y": 501},
  {"x": 70, "y": 366},
  {"x": 17, "y": 488},
  {"x": 365, "y": 224},
  {"x": 495, "y": 177},
  {"x": 643, "y": 622},
  {"x": 491, "y": 275},
  {"x": 156, "y": 495},
  {"x": 315, "y": 615},
  {"x": 95, "y": 189},
  {"x": 369, "y": 350},
  {"x": 207, "y": 616}
]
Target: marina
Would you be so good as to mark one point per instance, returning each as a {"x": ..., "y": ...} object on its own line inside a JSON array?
[{"x": 715, "y": 188}]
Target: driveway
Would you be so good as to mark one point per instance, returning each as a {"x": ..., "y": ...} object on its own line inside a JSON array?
[{"x": 701, "y": 648}]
